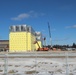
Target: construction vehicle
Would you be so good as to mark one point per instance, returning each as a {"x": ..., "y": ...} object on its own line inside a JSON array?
[
  {"x": 45, "y": 48},
  {"x": 41, "y": 49}
]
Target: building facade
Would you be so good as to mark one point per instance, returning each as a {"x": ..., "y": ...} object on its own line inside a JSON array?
[
  {"x": 21, "y": 38},
  {"x": 4, "y": 44}
]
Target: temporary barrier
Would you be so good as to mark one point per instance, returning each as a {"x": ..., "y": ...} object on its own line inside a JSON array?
[{"x": 38, "y": 63}]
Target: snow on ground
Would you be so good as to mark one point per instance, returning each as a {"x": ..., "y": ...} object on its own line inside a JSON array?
[{"x": 37, "y": 66}]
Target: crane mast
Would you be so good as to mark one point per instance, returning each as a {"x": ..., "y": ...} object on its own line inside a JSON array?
[{"x": 50, "y": 35}]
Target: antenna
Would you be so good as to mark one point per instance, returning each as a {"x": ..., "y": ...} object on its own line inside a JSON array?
[{"x": 50, "y": 34}]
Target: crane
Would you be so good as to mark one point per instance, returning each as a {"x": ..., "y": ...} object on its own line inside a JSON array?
[{"x": 50, "y": 35}]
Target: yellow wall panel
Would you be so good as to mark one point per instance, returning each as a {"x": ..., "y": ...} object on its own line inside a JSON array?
[
  {"x": 18, "y": 41},
  {"x": 22, "y": 41}
]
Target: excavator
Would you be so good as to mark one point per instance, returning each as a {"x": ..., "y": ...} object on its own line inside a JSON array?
[{"x": 41, "y": 49}]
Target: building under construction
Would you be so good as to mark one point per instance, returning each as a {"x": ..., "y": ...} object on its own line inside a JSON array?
[{"x": 22, "y": 37}]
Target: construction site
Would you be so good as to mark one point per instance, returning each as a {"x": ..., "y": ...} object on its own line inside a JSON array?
[
  {"x": 23, "y": 38},
  {"x": 37, "y": 37},
  {"x": 26, "y": 53}
]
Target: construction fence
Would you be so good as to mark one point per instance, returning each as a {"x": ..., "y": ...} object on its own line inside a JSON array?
[{"x": 38, "y": 63}]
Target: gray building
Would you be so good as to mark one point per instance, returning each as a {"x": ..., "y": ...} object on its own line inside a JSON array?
[{"x": 4, "y": 45}]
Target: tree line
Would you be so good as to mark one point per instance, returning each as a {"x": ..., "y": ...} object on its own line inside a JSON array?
[{"x": 63, "y": 46}]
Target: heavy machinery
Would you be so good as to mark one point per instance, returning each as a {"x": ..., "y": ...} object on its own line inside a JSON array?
[
  {"x": 41, "y": 49},
  {"x": 45, "y": 48},
  {"x": 50, "y": 35}
]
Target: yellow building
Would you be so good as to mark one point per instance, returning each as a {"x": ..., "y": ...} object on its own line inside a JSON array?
[{"x": 21, "y": 39}]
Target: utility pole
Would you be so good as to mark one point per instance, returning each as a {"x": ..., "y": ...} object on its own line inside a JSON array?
[{"x": 50, "y": 35}]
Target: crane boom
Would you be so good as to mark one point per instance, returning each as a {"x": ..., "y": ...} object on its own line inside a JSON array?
[{"x": 49, "y": 30}]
